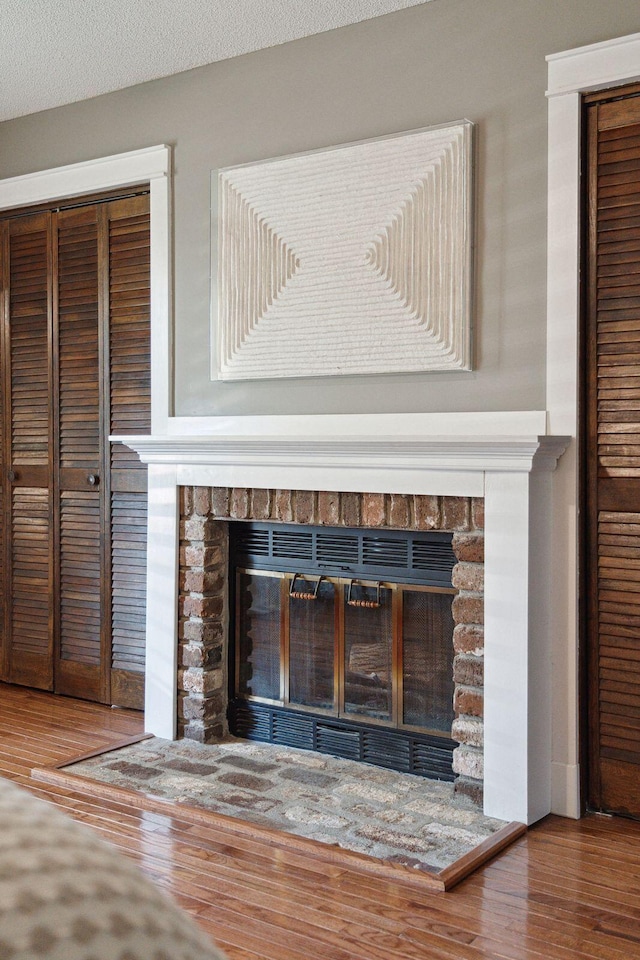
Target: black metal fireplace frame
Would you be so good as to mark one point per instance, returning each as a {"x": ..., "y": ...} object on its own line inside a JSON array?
[{"x": 406, "y": 557}]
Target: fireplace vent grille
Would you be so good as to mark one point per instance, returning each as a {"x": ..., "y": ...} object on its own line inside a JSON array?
[
  {"x": 288, "y": 545},
  {"x": 337, "y": 549},
  {"x": 406, "y": 751},
  {"x": 397, "y": 554},
  {"x": 256, "y": 542},
  {"x": 430, "y": 555},
  {"x": 384, "y": 552}
]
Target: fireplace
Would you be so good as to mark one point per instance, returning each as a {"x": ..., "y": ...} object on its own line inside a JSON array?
[
  {"x": 426, "y": 552},
  {"x": 505, "y": 460},
  {"x": 341, "y": 641}
]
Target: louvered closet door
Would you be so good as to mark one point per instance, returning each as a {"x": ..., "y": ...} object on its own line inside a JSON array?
[
  {"x": 82, "y": 630},
  {"x": 76, "y": 368},
  {"x": 27, "y": 488},
  {"x": 129, "y": 403},
  {"x": 613, "y": 452},
  {"x": 104, "y": 376}
]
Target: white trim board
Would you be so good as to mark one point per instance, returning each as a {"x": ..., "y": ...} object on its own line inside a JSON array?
[
  {"x": 595, "y": 66},
  {"x": 501, "y": 423},
  {"x": 152, "y": 165},
  {"x": 570, "y": 74}
]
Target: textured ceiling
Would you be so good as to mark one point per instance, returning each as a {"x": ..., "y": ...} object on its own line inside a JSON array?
[{"x": 58, "y": 51}]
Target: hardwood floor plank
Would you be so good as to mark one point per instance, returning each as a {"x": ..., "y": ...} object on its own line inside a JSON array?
[
  {"x": 408, "y": 924},
  {"x": 566, "y": 891}
]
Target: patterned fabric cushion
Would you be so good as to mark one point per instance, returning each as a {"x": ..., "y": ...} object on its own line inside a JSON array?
[{"x": 67, "y": 895}]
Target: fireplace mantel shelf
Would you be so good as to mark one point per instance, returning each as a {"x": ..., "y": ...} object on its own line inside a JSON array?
[{"x": 457, "y": 453}]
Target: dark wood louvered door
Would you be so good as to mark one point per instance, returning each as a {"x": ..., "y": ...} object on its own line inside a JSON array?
[
  {"x": 27, "y": 481},
  {"x": 128, "y": 382},
  {"x": 79, "y": 455},
  {"x": 76, "y": 348},
  {"x": 612, "y": 444}
]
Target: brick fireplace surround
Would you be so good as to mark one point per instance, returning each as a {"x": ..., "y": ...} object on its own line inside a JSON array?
[
  {"x": 432, "y": 468},
  {"x": 203, "y": 616}
]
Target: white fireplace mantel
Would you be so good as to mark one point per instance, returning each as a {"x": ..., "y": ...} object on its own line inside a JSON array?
[
  {"x": 450, "y": 454},
  {"x": 507, "y": 458}
]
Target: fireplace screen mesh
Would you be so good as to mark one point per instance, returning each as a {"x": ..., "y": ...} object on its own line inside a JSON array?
[
  {"x": 369, "y": 652},
  {"x": 259, "y": 634},
  {"x": 368, "y": 658},
  {"x": 312, "y": 649},
  {"x": 427, "y": 681}
]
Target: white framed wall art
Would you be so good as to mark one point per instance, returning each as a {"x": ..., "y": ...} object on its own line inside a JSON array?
[{"x": 351, "y": 260}]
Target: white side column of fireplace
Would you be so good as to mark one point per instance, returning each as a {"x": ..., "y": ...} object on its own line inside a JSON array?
[{"x": 504, "y": 458}]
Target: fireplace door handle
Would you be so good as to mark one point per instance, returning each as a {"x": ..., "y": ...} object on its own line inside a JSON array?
[
  {"x": 369, "y": 604},
  {"x": 306, "y": 594}
]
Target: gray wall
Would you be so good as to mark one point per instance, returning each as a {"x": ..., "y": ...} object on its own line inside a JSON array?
[{"x": 429, "y": 64}]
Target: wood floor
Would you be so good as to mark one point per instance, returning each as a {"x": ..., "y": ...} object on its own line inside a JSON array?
[{"x": 567, "y": 890}]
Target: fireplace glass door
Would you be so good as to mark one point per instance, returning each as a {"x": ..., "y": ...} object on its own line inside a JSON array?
[
  {"x": 375, "y": 652},
  {"x": 310, "y": 629},
  {"x": 369, "y": 654},
  {"x": 259, "y": 637},
  {"x": 427, "y": 682}
]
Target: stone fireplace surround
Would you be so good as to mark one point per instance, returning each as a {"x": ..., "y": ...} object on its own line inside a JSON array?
[
  {"x": 504, "y": 458},
  {"x": 203, "y": 648}
]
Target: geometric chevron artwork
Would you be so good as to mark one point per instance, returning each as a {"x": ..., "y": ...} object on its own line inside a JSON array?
[{"x": 352, "y": 260}]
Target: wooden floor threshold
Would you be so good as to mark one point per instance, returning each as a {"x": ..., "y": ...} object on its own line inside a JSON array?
[{"x": 424, "y": 878}]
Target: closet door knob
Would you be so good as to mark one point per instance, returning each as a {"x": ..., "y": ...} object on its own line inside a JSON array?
[
  {"x": 93, "y": 479},
  {"x": 12, "y": 476}
]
